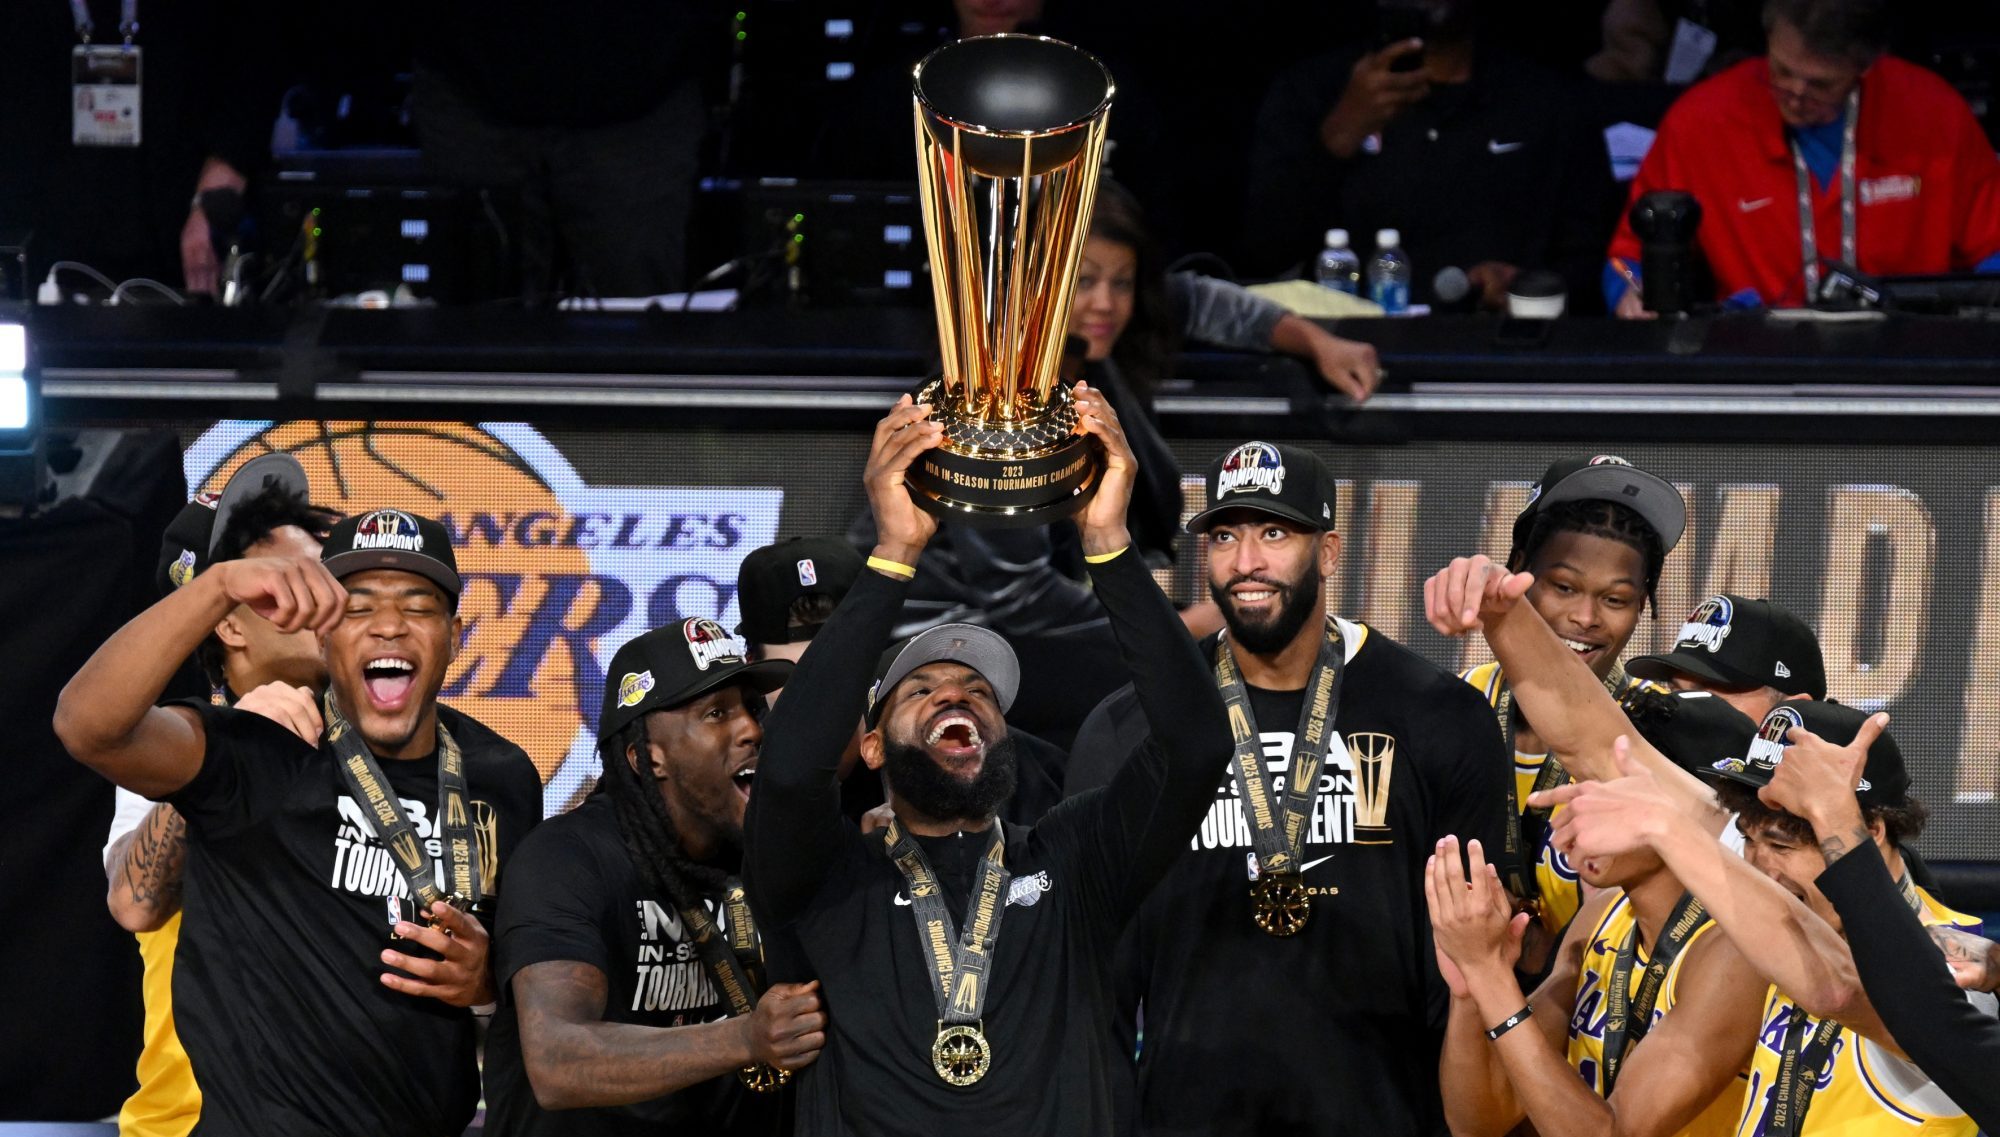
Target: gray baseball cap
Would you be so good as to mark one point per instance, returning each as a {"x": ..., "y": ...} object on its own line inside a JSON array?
[{"x": 981, "y": 649}]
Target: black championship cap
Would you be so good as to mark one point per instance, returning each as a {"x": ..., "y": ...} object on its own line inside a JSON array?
[
  {"x": 1607, "y": 477},
  {"x": 981, "y": 649},
  {"x": 773, "y": 577},
  {"x": 668, "y": 666},
  {"x": 189, "y": 544},
  {"x": 1285, "y": 481},
  {"x": 1733, "y": 642},
  {"x": 392, "y": 539},
  {"x": 1885, "y": 781},
  {"x": 1692, "y": 728}
]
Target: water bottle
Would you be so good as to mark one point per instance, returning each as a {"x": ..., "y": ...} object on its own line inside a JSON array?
[
  {"x": 1389, "y": 274},
  {"x": 1338, "y": 268}
]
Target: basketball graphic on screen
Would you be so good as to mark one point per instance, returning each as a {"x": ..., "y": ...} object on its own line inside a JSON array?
[{"x": 514, "y": 671}]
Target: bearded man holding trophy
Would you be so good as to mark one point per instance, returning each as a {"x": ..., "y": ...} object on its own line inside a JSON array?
[{"x": 962, "y": 959}]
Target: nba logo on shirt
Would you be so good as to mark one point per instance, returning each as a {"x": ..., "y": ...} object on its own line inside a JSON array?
[{"x": 808, "y": 575}]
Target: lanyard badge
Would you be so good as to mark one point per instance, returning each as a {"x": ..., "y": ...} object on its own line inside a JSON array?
[{"x": 105, "y": 82}]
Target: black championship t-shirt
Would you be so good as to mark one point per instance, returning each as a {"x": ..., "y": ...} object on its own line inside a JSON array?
[
  {"x": 574, "y": 894},
  {"x": 278, "y": 994},
  {"x": 1334, "y": 1030}
]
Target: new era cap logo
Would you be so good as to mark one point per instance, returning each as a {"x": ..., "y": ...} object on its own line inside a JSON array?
[{"x": 1781, "y": 671}]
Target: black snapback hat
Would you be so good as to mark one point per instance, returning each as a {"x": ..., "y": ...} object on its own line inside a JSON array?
[
  {"x": 773, "y": 577},
  {"x": 392, "y": 539},
  {"x": 1734, "y": 642},
  {"x": 1692, "y": 728},
  {"x": 1607, "y": 477},
  {"x": 1271, "y": 477},
  {"x": 982, "y": 649},
  {"x": 666, "y": 667},
  {"x": 1885, "y": 780},
  {"x": 189, "y": 544}
]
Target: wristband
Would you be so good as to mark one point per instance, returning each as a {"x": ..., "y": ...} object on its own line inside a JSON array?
[
  {"x": 894, "y": 568},
  {"x": 1113, "y": 555},
  {"x": 1510, "y": 1022}
]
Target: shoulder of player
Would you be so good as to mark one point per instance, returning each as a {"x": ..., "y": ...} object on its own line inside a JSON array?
[
  {"x": 1420, "y": 683},
  {"x": 581, "y": 839},
  {"x": 487, "y": 750},
  {"x": 242, "y": 728}
]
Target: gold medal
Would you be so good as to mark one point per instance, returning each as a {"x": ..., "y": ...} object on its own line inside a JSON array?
[
  {"x": 1280, "y": 903},
  {"x": 961, "y": 1055},
  {"x": 762, "y": 1079}
]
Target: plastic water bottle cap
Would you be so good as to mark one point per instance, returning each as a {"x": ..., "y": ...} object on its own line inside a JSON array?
[
  {"x": 1388, "y": 238},
  {"x": 1336, "y": 238}
]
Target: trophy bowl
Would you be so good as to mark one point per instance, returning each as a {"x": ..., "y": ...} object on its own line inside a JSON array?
[{"x": 1010, "y": 139}]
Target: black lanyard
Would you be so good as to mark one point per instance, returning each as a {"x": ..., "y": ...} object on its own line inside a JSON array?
[
  {"x": 128, "y": 20},
  {"x": 1520, "y": 868},
  {"x": 958, "y": 957},
  {"x": 1798, "y": 1071},
  {"x": 1280, "y": 902},
  {"x": 1626, "y": 1020},
  {"x": 734, "y": 966},
  {"x": 392, "y": 827},
  {"x": 1808, "y": 237}
]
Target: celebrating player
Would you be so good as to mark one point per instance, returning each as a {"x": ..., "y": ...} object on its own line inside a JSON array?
[
  {"x": 1285, "y": 964},
  {"x": 308, "y": 994},
  {"x": 962, "y": 958}
]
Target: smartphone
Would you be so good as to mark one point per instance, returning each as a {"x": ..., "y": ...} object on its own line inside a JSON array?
[{"x": 1395, "y": 23}]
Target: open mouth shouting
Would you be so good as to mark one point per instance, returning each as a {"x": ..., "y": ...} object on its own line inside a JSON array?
[
  {"x": 744, "y": 775},
  {"x": 954, "y": 735},
  {"x": 389, "y": 681}
]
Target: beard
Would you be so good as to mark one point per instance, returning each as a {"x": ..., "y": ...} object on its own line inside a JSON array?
[
  {"x": 1299, "y": 601},
  {"x": 938, "y": 794}
]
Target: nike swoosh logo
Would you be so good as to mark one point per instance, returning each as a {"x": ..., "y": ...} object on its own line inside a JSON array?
[
  {"x": 1310, "y": 865},
  {"x": 902, "y": 901},
  {"x": 1495, "y": 146},
  {"x": 1752, "y": 206}
]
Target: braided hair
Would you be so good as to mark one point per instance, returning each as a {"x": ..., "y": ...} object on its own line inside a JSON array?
[
  {"x": 1607, "y": 519},
  {"x": 644, "y": 824}
]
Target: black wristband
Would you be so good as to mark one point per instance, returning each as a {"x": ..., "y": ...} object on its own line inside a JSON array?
[{"x": 1510, "y": 1022}]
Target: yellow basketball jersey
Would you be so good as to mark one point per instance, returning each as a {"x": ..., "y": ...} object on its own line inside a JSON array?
[
  {"x": 1561, "y": 891},
  {"x": 167, "y": 1102},
  {"x": 1863, "y": 1090},
  {"x": 1591, "y": 1010}
]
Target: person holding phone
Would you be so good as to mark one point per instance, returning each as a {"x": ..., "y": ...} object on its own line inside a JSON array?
[{"x": 1476, "y": 155}]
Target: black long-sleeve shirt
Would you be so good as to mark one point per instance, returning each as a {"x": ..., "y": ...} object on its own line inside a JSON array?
[
  {"x": 839, "y": 904},
  {"x": 1948, "y": 1038}
]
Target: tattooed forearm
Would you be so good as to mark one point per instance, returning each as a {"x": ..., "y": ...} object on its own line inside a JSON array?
[
  {"x": 149, "y": 877},
  {"x": 1837, "y": 845}
]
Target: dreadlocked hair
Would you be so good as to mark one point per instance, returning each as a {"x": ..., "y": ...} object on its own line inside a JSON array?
[
  {"x": 644, "y": 825},
  {"x": 1606, "y": 519}
]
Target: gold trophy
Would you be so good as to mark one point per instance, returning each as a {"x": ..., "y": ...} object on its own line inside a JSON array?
[
  {"x": 1374, "y": 757},
  {"x": 1010, "y": 135}
]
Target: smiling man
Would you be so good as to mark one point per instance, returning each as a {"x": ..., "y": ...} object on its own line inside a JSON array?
[
  {"x": 963, "y": 958},
  {"x": 1595, "y": 533},
  {"x": 1285, "y": 964},
  {"x": 309, "y": 997},
  {"x": 630, "y": 970},
  {"x": 1823, "y": 149}
]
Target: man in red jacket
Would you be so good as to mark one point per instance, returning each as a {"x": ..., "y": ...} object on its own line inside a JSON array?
[{"x": 1824, "y": 149}]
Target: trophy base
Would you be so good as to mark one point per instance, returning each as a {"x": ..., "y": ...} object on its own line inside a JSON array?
[{"x": 1004, "y": 475}]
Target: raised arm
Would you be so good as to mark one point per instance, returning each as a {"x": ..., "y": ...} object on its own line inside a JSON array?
[
  {"x": 105, "y": 715},
  {"x": 1158, "y": 806},
  {"x": 1571, "y": 710},
  {"x": 576, "y": 1060},
  {"x": 793, "y": 822},
  {"x": 1783, "y": 940}
]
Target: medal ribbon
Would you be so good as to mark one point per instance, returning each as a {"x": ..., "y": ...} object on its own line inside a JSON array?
[
  {"x": 392, "y": 827},
  {"x": 1808, "y": 237},
  {"x": 958, "y": 957},
  {"x": 1277, "y": 827},
  {"x": 1520, "y": 869},
  {"x": 128, "y": 20},
  {"x": 1798, "y": 1072},
  {"x": 1628, "y": 1019},
  {"x": 730, "y": 964}
]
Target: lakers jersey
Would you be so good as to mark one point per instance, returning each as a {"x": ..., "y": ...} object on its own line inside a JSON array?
[
  {"x": 167, "y": 1102},
  {"x": 1590, "y": 1012},
  {"x": 1862, "y": 1088}
]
